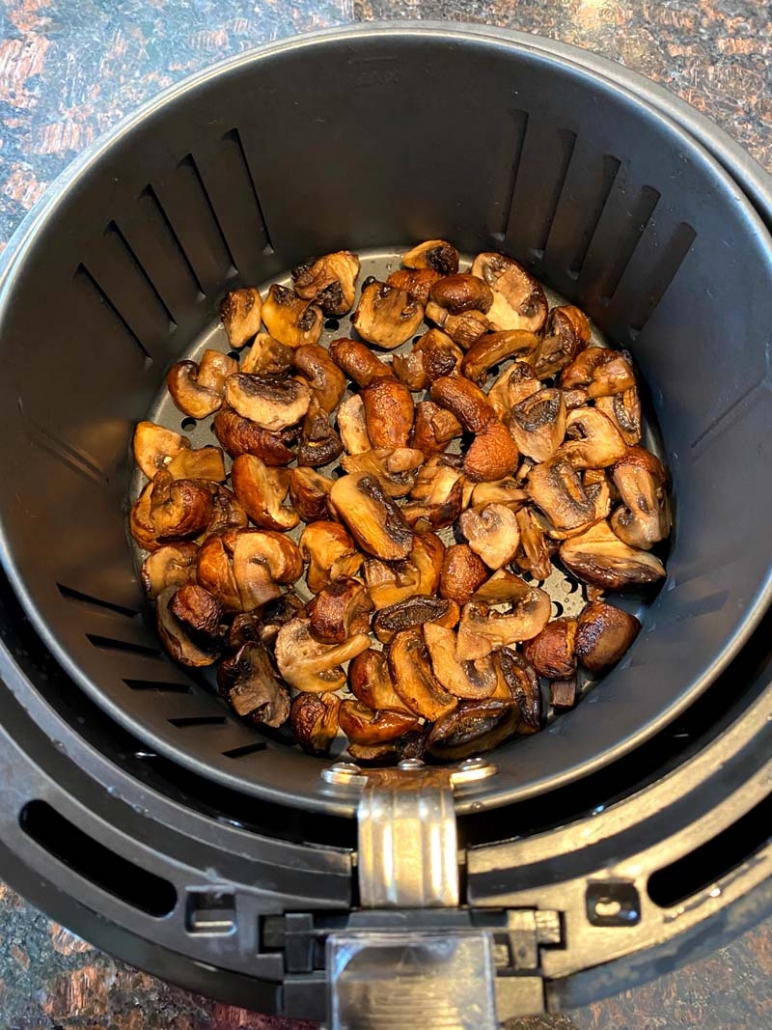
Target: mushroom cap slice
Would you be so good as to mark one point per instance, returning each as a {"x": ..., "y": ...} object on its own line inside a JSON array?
[
  {"x": 465, "y": 400},
  {"x": 566, "y": 333},
  {"x": 261, "y": 625},
  {"x": 473, "y": 727},
  {"x": 433, "y": 356},
  {"x": 462, "y": 573},
  {"x": 179, "y": 508},
  {"x": 494, "y": 348},
  {"x": 188, "y": 395},
  {"x": 592, "y": 440},
  {"x": 363, "y": 725},
  {"x": 249, "y": 684},
  {"x": 199, "y": 463},
  {"x": 261, "y": 561},
  {"x": 327, "y": 382},
  {"x": 506, "y": 491},
  {"x": 272, "y": 404},
  {"x": 330, "y": 552},
  {"x": 358, "y": 361},
  {"x": 415, "y": 611},
  {"x": 461, "y": 292},
  {"x": 417, "y": 282},
  {"x": 434, "y": 427},
  {"x": 307, "y": 664},
  {"x": 492, "y": 454},
  {"x": 262, "y": 491},
  {"x": 241, "y": 312},
  {"x": 309, "y": 490},
  {"x": 471, "y": 680},
  {"x": 319, "y": 443},
  {"x": 439, "y": 255},
  {"x": 290, "y": 319},
  {"x": 437, "y": 499},
  {"x": 492, "y": 532},
  {"x": 409, "y": 745},
  {"x": 372, "y": 517},
  {"x": 388, "y": 583},
  {"x": 387, "y": 315},
  {"x": 557, "y": 490},
  {"x": 519, "y": 299},
  {"x": 239, "y": 435},
  {"x": 481, "y": 631},
  {"x": 518, "y": 682},
  {"x": 389, "y": 412},
  {"x": 464, "y": 329},
  {"x": 214, "y": 572},
  {"x": 604, "y": 635},
  {"x": 172, "y": 565},
  {"x": 394, "y": 467},
  {"x": 227, "y": 512},
  {"x": 538, "y": 424},
  {"x": 552, "y": 652},
  {"x": 535, "y": 557},
  {"x": 413, "y": 679},
  {"x": 352, "y": 425},
  {"x": 340, "y": 610},
  {"x": 370, "y": 681},
  {"x": 314, "y": 720},
  {"x": 155, "y": 447},
  {"x": 599, "y": 557},
  {"x": 427, "y": 556},
  {"x": 330, "y": 281},
  {"x": 514, "y": 385},
  {"x": 644, "y": 517},
  {"x": 267, "y": 358},
  {"x": 624, "y": 410},
  {"x": 198, "y": 612},
  {"x": 176, "y": 642}
]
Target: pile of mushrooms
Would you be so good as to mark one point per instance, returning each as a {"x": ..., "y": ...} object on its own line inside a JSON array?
[{"x": 430, "y": 496}]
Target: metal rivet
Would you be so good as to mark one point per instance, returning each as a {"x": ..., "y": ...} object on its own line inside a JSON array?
[
  {"x": 411, "y": 763},
  {"x": 473, "y": 763},
  {"x": 341, "y": 773}
]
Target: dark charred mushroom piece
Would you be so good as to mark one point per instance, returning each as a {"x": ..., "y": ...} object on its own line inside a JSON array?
[
  {"x": 413, "y": 679},
  {"x": 339, "y": 611},
  {"x": 474, "y": 727},
  {"x": 290, "y": 319},
  {"x": 249, "y": 684},
  {"x": 330, "y": 282},
  {"x": 520, "y": 684},
  {"x": 319, "y": 443},
  {"x": 241, "y": 312},
  {"x": 599, "y": 557},
  {"x": 239, "y": 435},
  {"x": 372, "y": 517},
  {"x": 272, "y": 404},
  {"x": 416, "y": 611},
  {"x": 438, "y": 255},
  {"x": 262, "y": 625},
  {"x": 538, "y": 424},
  {"x": 553, "y": 652},
  {"x": 314, "y": 721},
  {"x": 604, "y": 635},
  {"x": 198, "y": 612},
  {"x": 566, "y": 333},
  {"x": 387, "y": 316}
]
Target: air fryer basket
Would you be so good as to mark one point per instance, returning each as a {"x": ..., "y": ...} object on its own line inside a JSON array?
[{"x": 365, "y": 141}]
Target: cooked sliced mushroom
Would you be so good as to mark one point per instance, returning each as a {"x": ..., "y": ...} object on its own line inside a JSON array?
[
  {"x": 506, "y": 491},
  {"x": 172, "y": 565},
  {"x": 262, "y": 624},
  {"x": 249, "y": 684},
  {"x": 462, "y": 573},
  {"x": 464, "y": 400},
  {"x": 389, "y": 412},
  {"x": 579, "y": 374},
  {"x": 600, "y": 371},
  {"x": 370, "y": 681},
  {"x": 155, "y": 447},
  {"x": 538, "y": 424},
  {"x": 437, "y": 498},
  {"x": 290, "y": 319},
  {"x": 363, "y": 725},
  {"x": 434, "y": 428},
  {"x": 519, "y": 300},
  {"x": 409, "y": 745},
  {"x": 473, "y": 727},
  {"x": 178, "y": 508},
  {"x": 309, "y": 490},
  {"x": 197, "y": 390},
  {"x": 340, "y": 611},
  {"x": 261, "y": 561},
  {"x": 494, "y": 348},
  {"x": 358, "y": 361},
  {"x": 492, "y": 532},
  {"x": 352, "y": 426},
  {"x": 624, "y": 410},
  {"x": 319, "y": 443},
  {"x": 417, "y": 282},
  {"x": 563, "y": 693},
  {"x": 314, "y": 720},
  {"x": 267, "y": 358},
  {"x": 330, "y": 281},
  {"x": 175, "y": 641},
  {"x": 427, "y": 555},
  {"x": 386, "y": 315},
  {"x": 327, "y": 382},
  {"x": 389, "y": 583},
  {"x": 592, "y": 440},
  {"x": 306, "y": 664},
  {"x": 372, "y": 517},
  {"x": 552, "y": 652},
  {"x": 433, "y": 356},
  {"x": 555, "y": 487},
  {"x": 514, "y": 385},
  {"x": 227, "y": 512},
  {"x": 599, "y": 557},
  {"x": 535, "y": 557},
  {"x": 413, "y": 679},
  {"x": 214, "y": 572},
  {"x": 241, "y": 312},
  {"x": 262, "y": 491},
  {"x": 520, "y": 684},
  {"x": 604, "y": 635},
  {"x": 330, "y": 552},
  {"x": 199, "y": 463},
  {"x": 575, "y": 399},
  {"x": 416, "y": 611},
  {"x": 464, "y": 329},
  {"x": 481, "y": 630},
  {"x": 272, "y": 404},
  {"x": 395, "y": 467},
  {"x": 461, "y": 292},
  {"x": 596, "y": 486},
  {"x": 566, "y": 333},
  {"x": 503, "y": 588},
  {"x": 468, "y": 680},
  {"x": 198, "y": 612},
  {"x": 439, "y": 255},
  {"x": 644, "y": 517},
  {"x": 492, "y": 454},
  {"x": 239, "y": 435}
]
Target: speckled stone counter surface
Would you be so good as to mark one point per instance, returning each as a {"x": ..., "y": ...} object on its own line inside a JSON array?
[{"x": 69, "y": 69}]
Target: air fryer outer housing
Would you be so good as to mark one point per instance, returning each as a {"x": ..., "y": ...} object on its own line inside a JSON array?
[{"x": 133, "y": 808}]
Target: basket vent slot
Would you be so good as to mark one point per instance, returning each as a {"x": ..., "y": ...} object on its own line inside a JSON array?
[
  {"x": 246, "y": 749},
  {"x": 672, "y": 257},
  {"x": 111, "y": 644},
  {"x": 158, "y": 217},
  {"x": 232, "y": 139},
  {"x": 610, "y": 170},
  {"x": 67, "y": 455},
  {"x": 163, "y": 686},
  {"x": 520, "y": 120},
  {"x": 199, "y": 720},
  {"x": 640, "y": 218},
  {"x": 189, "y": 169},
  {"x": 97, "y": 602},
  {"x": 82, "y": 275},
  {"x": 93, "y": 861},
  {"x": 119, "y": 242}
]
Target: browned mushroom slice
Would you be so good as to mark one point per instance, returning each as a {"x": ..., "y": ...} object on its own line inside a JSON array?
[
  {"x": 394, "y": 467},
  {"x": 262, "y": 625},
  {"x": 314, "y": 720},
  {"x": 179, "y": 508},
  {"x": 555, "y": 488},
  {"x": 409, "y": 745},
  {"x": 473, "y": 680},
  {"x": 141, "y": 521},
  {"x": 434, "y": 428},
  {"x": 473, "y": 727},
  {"x": 464, "y": 329},
  {"x": 503, "y": 588},
  {"x": 372, "y": 517},
  {"x": 416, "y": 611},
  {"x": 492, "y": 532},
  {"x": 575, "y": 399},
  {"x": 644, "y": 517},
  {"x": 155, "y": 447},
  {"x": 494, "y": 348},
  {"x": 201, "y": 463},
  {"x": 600, "y": 371},
  {"x": 330, "y": 281},
  {"x": 492, "y": 454},
  {"x": 249, "y": 684},
  {"x": 436, "y": 499},
  {"x": 580, "y": 372},
  {"x": 433, "y": 356},
  {"x": 604, "y": 635},
  {"x": 352, "y": 426},
  {"x": 241, "y": 312},
  {"x": 481, "y": 631},
  {"x": 465, "y": 400},
  {"x": 227, "y": 512},
  {"x": 309, "y": 490},
  {"x": 363, "y": 725},
  {"x": 519, "y": 300},
  {"x": 239, "y": 435},
  {"x": 461, "y": 292},
  {"x": 290, "y": 319},
  {"x": 198, "y": 612},
  {"x": 272, "y": 404},
  {"x": 427, "y": 555},
  {"x": 172, "y": 565},
  {"x": 535, "y": 556},
  {"x": 267, "y": 358},
  {"x": 386, "y": 315},
  {"x": 389, "y": 412},
  {"x": 438, "y": 255},
  {"x": 506, "y": 491},
  {"x": 319, "y": 443},
  {"x": 262, "y": 491},
  {"x": 599, "y": 557},
  {"x": 189, "y": 394},
  {"x": 327, "y": 382},
  {"x": 566, "y": 333},
  {"x": 417, "y": 282},
  {"x": 592, "y": 440},
  {"x": 462, "y": 573},
  {"x": 307, "y": 664},
  {"x": 174, "y": 639},
  {"x": 261, "y": 561},
  {"x": 340, "y": 611},
  {"x": 389, "y": 583},
  {"x": 563, "y": 693},
  {"x": 358, "y": 361},
  {"x": 514, "y": 385},
  {"x": 624, "y": 410},
  {"x": 538, "y": 424},
  {"x": 552, "y": 652},
  {"x": 214, "y": 572},
  {"x": 519, "y": 683},
  {"x": 370, "y": 681},
  {"x": 413, "y": 679},
  {"x": 596, "y": 486},
  {"x": 330, "y": 552}
]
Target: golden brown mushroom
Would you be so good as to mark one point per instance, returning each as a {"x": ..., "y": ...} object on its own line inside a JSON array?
[
  {"x": 462, "y": 573},
  {"x": 599, "y": 557},
  {"x": 461, "y": 292},
  {"x": 370, "y": 681},
  {"x": 175, "y": 641},
  {"x": 519, "y": 683},
  {"x": 417, "y": 282},
  {"x": 319, "y": 443},
  {"x": 389, "y": 412},
  {"x": 600, "y": 371},
  {"x": 155, "y": 447},
  {"x": 552, "y": 652},
  {"x": 434, "y": 428},
  {"x": 604, "y": 635},
  {"x": 352, "y": 425},
  {"x": 239, "y": 435},
  {"x": 267, "y": 358},
  {"x": 198, "y": 612},
  {"x": 358, "y": 361},
  {"x": 473, "y": 727},
  {"x": 464, "y": 400},
  {"x": 596, "y": 486},
  {"x": 240, "y": 312},
  {"x": 473, "y": 680},
  {"x": 307, "y": 664},
  {"x": 492, "y": 532},
  {"x": 592, "y": 440},
  {"x": 395, "y": 467},
  {"x": 290, "y": 319},
  {"x": 538, "y": 424},
  {"x": 415, "y": 611},
  {"x": 492, "y": 454},
  {"x": 535, "y": 554},
  {"x": 433, "y": 356},
  {"x": 262, "y": 491},
  {"x": 249, "y": 684},
  {"x": 439, "y": 255},
  {"x": 388, "y": 583},
  {"x": 199, "y": 463},
  {"x": 644, "y": 517},
  {"x": 519, "y": 300},
  {"x": 624, "y": 410},
  {"x": 309, "y": 490},
  {"x": 494, "y": 348},
  {"x": 482, "y": 630},
  {"x": 330, "y": 281},
  {"x": 214, "y": 572},
  {"x": 566, "y": 333},
  {"x": 555, "y": 488},
  {"x": 386, "y": 315},
  {"x": 172, "y": 565},
  {"x": 330, "y": 552},
  {"x": 327, "y": 382},
  {"x": 197, "y": 389},
  {"x": 363, "y": 725},
  {"x": 506, "y": 491},
  {"x": 464, "y": 329},
  {"x": 413, "y": 679},
  {"x": 437, "y": 498},
  {"x": 371, "y": 516},
  {"x": 515, "y": 384},
  {"x": 173, "y": 509},
  {"x": 340, "y": 611},
  {"x": 314, "y": 720},
  {"x": 428, "y": 555},
  {"x": 272, "y": 404},
  {"x": 261, "y": 561}
]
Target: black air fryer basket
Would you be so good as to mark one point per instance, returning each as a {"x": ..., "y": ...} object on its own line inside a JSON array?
[{"x": 630, "y": 835}]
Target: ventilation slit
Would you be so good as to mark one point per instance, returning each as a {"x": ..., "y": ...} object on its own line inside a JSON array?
[
  {"x": 113, "y": 230},
  {"x": 149, "y": 194},
  {"x": 111, "y": 644},
  {"x": 199, "y": 720},
  {"x": 161, "y": 685},
  {"x": 80, "y": 598},
  {"x": 520, "y": 119},
  {"x": 567, "y": 140},
  {"x": 641, "y": 216},
  {"x": 63, "y": 452},
  {"x": 609, "y": 173},
  {"x": 247, "y": 749},
  {"x": 190, "y": 165},
  {"x": 664, "y": 272},
  {"x": 82, "y": 274},
  {"x": 233, "y": 136}
]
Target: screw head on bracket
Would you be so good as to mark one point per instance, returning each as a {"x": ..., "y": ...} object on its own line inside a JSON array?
[
  {"x": 341, "y": 773},
  {"x": 411, "y": 763}
]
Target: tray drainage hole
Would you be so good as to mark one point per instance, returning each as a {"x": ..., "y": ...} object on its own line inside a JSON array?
[
  {"x": 234, "y": 354},
  {"x": 333, "y": 324},
  {"x": 188, "y": 425}
]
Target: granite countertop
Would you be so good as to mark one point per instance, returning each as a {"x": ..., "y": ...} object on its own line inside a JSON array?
[{"x": 69, "y": 69}]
